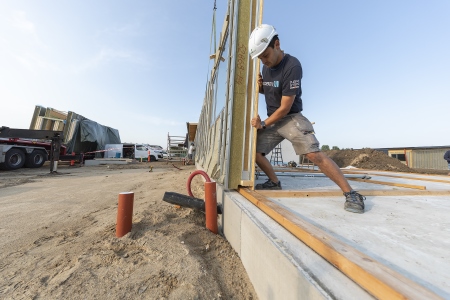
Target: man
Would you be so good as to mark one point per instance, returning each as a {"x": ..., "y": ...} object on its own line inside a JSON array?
[
  {"x": 280, "y": 83},
  {"x": 447, "y": 158},
  {"x": 190, "y": 153}
]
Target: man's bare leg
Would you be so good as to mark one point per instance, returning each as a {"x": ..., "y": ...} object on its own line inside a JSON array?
[
  {"x": 329, "y": 168},
  {"x": 265, "y": 165}
]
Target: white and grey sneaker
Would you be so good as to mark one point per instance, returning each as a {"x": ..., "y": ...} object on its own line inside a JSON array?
[{"x": 354, "y": 202}]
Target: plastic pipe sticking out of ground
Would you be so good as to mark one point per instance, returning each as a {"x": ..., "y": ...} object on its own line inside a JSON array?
[
  {"x": 124, "y": 213},
  {"x": 211, "y": 207}
]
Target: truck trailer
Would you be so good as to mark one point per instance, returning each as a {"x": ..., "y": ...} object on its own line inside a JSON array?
[{"x": 29, "y": 148}]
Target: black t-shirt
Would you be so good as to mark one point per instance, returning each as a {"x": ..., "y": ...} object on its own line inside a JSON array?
[{"x": 283, "y": 80}]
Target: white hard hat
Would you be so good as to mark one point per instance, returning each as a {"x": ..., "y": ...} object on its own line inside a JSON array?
[{"x": 260, "y": 39}]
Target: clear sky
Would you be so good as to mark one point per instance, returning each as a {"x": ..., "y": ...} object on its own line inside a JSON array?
[{"x": 375, "y": 73}]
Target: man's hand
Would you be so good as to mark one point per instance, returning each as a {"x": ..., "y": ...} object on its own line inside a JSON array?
[{"x": 256, "y": 122}]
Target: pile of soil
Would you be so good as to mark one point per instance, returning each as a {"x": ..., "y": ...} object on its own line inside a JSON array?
[
  {"x": 367, "y": 159},
  {"x": 374, "y": 160}
]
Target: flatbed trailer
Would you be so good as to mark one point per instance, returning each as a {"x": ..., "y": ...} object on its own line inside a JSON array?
[{"x": 30, "y": 148}]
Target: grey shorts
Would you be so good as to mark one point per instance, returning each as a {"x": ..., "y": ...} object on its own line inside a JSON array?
[{"x": 295, "y": 128}]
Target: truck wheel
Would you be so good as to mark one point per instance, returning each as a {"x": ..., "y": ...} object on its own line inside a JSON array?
[
  {"x": 14, "y": 159},
  {"x": 36, "y": 159},
  {"x": 152, "y": 158}
]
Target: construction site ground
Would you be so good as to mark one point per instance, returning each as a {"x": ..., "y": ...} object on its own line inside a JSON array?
[
  {"x": 57, "y": 237},
  {"x": 57, "y": 234}
]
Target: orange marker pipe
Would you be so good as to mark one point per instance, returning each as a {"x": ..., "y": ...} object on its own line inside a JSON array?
[
  {"x": 124, "y": 213},
  {"x": 211, "y": 206}
]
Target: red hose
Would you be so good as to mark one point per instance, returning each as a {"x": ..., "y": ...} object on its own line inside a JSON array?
[{"x": 188, "y": 184}]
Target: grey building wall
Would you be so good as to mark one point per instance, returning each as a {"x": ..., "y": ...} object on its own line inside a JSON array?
[{"x": 429, "y": 159}]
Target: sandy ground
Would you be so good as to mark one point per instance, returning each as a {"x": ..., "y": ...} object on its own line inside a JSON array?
[{"x": 57, "y": 238}]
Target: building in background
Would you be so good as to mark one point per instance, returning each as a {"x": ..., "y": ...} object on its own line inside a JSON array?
[{"x": 420, "y": 157}]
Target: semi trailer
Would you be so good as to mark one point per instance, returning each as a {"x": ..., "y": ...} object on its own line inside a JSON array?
[{"x": 31, "y": 148}]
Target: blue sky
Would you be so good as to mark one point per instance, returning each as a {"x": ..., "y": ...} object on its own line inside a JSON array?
[{"x": 376, "y": 73}]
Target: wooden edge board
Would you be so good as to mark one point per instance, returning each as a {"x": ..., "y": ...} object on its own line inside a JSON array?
[
  {"x": 398, "y": 176},
  {"x": 418, "y": 187},
  {"x": 379, "y": 173},
  {"x": 287, "y": 170},
  {"x": 333, "y": 193},
  {"x": 371, "y": 275},
  {"x": 414, "y": 178}
]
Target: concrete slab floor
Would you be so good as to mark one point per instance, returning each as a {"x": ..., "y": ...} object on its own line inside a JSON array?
[{"x": 409, "y": 234}]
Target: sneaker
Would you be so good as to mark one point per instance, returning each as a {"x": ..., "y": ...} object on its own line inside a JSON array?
[
  {"x": 268, "y": 185},
  {"x": 354, "y": 202}
]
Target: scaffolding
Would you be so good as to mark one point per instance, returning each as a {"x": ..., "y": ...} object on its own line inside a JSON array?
[
  {"x": 276, "y": 158},
  {"x": 176, "y": 147}
]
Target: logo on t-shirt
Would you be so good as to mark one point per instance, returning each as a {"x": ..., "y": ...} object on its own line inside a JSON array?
[
  {"x": 295, "y": 84},
  {"x": 274, "y": 84}
]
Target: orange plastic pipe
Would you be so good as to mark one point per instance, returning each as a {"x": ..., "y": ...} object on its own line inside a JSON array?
[
  {"x": 124, "y": 213},
  {"x": 196, "y": 172},
  {"x": 211, "y": 206}
]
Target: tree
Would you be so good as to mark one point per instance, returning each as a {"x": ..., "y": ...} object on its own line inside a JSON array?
[
  {"x": 325, "y": 148},
  {"x": 335, "y": 148}
]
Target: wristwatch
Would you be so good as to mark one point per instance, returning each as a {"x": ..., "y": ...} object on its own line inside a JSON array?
[{"x": 263, "y": 125}]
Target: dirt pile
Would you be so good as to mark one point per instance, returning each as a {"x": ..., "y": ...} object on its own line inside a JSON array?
[{"x": 367, "y": 159}]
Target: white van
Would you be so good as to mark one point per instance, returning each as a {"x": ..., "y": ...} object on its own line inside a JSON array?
[
  {"x": 136, "y": 151},
  {"x": 157, "y": 150}
]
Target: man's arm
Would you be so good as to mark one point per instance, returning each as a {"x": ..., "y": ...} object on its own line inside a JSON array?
[
  {"x": 447, "y": 156},
  {"x": 283, "y": 110}
]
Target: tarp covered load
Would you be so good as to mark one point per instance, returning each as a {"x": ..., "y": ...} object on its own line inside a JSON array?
[
  {"x": 93, "y": 132},
  {"x": 86, "y": 136},
  {"x": 80, "y": 134}
]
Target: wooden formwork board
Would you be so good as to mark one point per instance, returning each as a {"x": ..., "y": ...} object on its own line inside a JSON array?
[
  {"x": 334, "y": 193},
  {"x": 414, "y": 178},
  {"x": 376, "y": 278},
  {"x": 410, "y": 186},
  {"x": 387, "y": 174}
]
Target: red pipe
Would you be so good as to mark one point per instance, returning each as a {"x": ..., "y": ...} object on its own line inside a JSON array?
[
  {"x": 211, "y": 206},
  {"x": 210, "y": 200},
  {"x": 124, "y": 213},
  {"x": 188, "y": 184}
]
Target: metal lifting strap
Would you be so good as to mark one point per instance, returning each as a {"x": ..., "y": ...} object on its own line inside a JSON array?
[
  {"x": 213, "y": 36},
  {"x": 213, "y": 30}
]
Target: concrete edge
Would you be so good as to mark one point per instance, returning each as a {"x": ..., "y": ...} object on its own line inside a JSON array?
[{"x": 277, "y": 263}]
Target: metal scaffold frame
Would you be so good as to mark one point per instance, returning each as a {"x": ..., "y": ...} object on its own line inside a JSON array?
[
  {"x": 276, "y": 157},
  {"x": 176, "y": 149}
]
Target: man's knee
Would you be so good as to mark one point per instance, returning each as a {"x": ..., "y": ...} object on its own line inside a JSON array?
[
  {"x": 259, "y": 157},
  {"x": 316, "y": 157}
]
